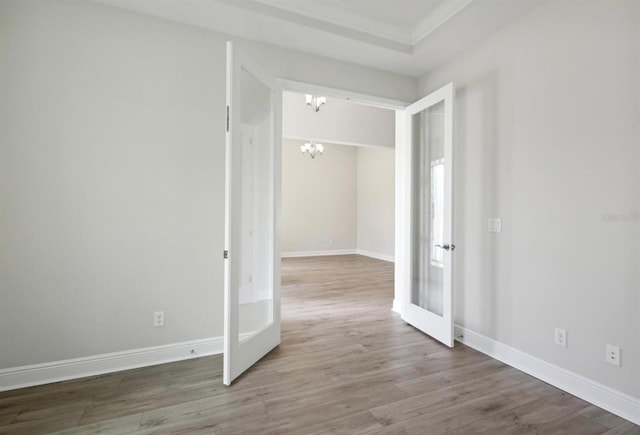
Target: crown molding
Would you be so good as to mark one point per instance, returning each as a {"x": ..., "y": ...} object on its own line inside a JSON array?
[
  {"x": 345, "y": 19},
  {"x": 356, "y": 28},
  {"x": 437, "y": 18},
  {"x": 328, "y": 19}
]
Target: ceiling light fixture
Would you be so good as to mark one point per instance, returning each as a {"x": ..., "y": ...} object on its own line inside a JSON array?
[
  {"x": 312, "y": 149},
  {"x": 315, "y": 102}
]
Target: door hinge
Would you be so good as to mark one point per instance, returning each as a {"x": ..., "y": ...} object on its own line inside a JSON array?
[
  {"x": 225, "y": 254},
  {"x": 227, "y": 119}
]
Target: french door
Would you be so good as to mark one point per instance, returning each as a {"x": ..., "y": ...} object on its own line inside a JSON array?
[
  {"x": 424, "y": 263},
  {"x": 252, "y": 207}
]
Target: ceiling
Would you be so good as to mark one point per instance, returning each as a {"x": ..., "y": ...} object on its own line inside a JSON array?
[{"x": 402, "y": 36}]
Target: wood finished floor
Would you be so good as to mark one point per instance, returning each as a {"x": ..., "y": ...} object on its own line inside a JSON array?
[{"x": 346, "y": 364}]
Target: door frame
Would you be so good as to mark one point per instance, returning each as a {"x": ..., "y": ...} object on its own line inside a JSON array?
[{"x": 356, "y": 97}]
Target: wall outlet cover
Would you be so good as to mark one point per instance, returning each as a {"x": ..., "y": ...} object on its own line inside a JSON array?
[
  {"x": 560, "y": 337},
  {"x": 612, "y": 354},
  {"x": 158, "y": 319}
]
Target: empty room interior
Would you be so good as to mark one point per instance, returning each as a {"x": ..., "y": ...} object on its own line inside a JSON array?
[{"x": 320, "y": 216}]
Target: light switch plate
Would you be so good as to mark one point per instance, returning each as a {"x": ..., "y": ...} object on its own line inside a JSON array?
[{"x": 495, "y": 225}]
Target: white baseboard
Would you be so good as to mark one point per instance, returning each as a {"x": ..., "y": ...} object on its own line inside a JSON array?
[
  {"x": 614, "y": 401},
  {"x": 318, "y": 253},
  {"x": 384, "y": 257},
  {"x": 38, "y": 374}
]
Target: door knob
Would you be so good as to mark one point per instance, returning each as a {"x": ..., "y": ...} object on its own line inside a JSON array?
[{"x": 446, "y": 247}]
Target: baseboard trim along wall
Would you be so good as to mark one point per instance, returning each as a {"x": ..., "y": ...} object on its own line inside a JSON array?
[
  {"x": 38, "y": 374},
  {"x": 376, "y": 255},
  {"x": 291, "y": 254},
  {"x": 384, "y": 257},
  {"x": 614, "y": 401}
]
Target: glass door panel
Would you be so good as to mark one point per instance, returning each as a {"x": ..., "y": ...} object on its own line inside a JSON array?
[
  {"x": 255, "y": 257},
  {"x": 428, "y": 209}
]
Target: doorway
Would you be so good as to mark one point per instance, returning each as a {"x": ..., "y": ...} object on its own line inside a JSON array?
[
  {"x": 337, "y": 220},
  {"x": 338, "y": 179},
  {"x": 240, "y": 355}
]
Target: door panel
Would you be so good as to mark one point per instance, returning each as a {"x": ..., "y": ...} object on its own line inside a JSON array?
[
  {"x": 428, "y": 206},
  {"x": 252, "y": 269},
  {"x": 427, "y": 301}
]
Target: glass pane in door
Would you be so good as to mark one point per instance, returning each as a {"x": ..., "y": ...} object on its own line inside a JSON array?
[
  {"x": 256, "y": 203},
  {"x": 427, "y": 286}
]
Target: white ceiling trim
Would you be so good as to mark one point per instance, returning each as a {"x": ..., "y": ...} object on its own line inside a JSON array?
[
  {"x": 328, "y": 17},
  {"x": 437, "y": 18},
  {"x": 366, "y": 30},
  {"x": 346, "y": 19},
  {"x": 333, "y": 142}
]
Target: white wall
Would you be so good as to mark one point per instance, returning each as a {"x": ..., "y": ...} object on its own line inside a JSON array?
[
  {"x": 340, "y": 201},
  {"x": 376, "y": 201},
  {"x": 548, "y": 139},
  {"x": 319, "y": 199},
  {"x": 112, "y": 175},
  {"x": 338, "y": 121},
  {"x": 110, "y": 180}
]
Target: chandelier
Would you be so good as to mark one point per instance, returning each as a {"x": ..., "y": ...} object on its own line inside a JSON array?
[
  {"x": 312, "y": 149},
  {"x": 315, "y": 102}
]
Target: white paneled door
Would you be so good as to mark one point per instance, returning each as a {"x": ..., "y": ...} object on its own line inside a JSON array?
[
  {"x": 252, "y": 207},
  {"x": 425, "y": 186}
]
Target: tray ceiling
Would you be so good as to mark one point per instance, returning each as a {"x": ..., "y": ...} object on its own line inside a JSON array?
[{"x": 402, "y": 36}]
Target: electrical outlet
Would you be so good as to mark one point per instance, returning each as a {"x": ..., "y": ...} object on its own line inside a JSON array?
[
  {"x": 158, "y": 319},
  {"x": 613, "y": 355},
  {"x": 560, "y": 337}
]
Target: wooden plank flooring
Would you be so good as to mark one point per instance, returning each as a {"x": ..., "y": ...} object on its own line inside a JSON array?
[{"x": 346, "y": 364}]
